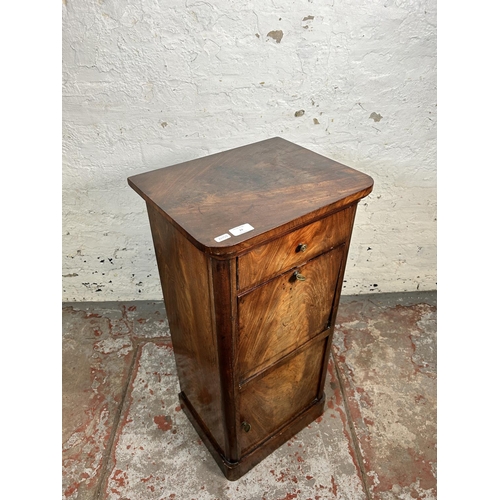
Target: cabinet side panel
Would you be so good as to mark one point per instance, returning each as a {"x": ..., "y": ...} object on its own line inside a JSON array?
[{"x": 185, "y": 282}]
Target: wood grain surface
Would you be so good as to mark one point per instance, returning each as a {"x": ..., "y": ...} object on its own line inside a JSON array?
[
  {"x": 283, "y": 253},
  {"x": 185, "y": 283},
  {"x": 279, "y": 316},
  {"x": 273, "y": 185},
  {"x": 251, "y": 340},
  {"x": 270, "y": 402}
]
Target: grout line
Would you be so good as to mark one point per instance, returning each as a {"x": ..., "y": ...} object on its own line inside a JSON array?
[
  {"x": 112, "y": 437},
  {"x": 357, "y": 450}
]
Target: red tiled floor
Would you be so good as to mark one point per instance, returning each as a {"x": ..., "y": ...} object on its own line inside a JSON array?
[
  {"x": 125, "y": 438},
  {"x": 98, "y": 349},
  {"x": 157, "y": 453},
  {"x": 386, "y": 354}
]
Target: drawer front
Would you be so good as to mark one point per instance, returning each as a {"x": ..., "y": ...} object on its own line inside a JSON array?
[
  {"x": 271, "y": 258},
  {"x": 268, "y": 403},
  {"x": 280, "y": 315}
]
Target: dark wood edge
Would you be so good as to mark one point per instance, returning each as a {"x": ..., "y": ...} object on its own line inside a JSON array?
[
  {"x": 222, "y": 273},
  {"x": 326, "y": 359},
  {"x": 340, "y": 281},
  {"x": 335, "y": 301},
  {"x": 335, "y": 306},
  {"x": 235, "y": 345},
  {"x": 340, "y": 275},
  {"x": 223, "y": 253},
  {"x": 287, "y": 357}
]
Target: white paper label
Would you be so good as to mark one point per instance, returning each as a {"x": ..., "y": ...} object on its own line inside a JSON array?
[
  {"x": 244, "y": 228},
  {"x": 222, "y": 237}
]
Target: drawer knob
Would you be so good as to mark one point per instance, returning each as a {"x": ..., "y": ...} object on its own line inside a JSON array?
[
  {"x": 302, "y": 247},
  {"x": 298, "y": 276},
  {"x": 246, "y": 426}
]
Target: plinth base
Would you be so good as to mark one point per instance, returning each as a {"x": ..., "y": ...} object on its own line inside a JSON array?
[{"x": 234, "y": 470}]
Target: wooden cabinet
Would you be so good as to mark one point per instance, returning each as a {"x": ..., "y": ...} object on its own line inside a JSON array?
[
  {"x": 284, "y": 313},
  {"x": 251, "y": 246}
]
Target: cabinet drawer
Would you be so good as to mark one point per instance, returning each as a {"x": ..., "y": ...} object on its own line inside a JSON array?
[
  {"x": 268, "y": 403},
  {"x": 282, "y": 314},
  {"x": 294, "y": 248}
]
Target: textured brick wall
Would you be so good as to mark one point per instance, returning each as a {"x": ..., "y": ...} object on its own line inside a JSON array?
[{"x": 152, "y": 83}]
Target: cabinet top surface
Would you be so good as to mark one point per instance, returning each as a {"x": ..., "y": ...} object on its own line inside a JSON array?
[{"x": 263, "y": 185}]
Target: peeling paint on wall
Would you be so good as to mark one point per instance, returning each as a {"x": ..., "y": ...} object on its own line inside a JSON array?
[
  {"x": 276, "y": 35},
  {"x": 150, "y": 84}
]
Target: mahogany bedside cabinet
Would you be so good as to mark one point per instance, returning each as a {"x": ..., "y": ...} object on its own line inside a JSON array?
[{"x": 251, "y": 246}]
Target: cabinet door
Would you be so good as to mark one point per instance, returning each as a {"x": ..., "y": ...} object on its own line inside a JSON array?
[
  {"x": 269, "y": 402},
  {"x": 282, "y": 314}
]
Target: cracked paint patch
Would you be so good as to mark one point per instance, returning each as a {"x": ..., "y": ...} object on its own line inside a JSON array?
[
  {"x": 120, "y": 346},
  {"x": 305, "y": 20},
  {"x": 387, "y": 357},
  {"x": 93, "y": 382},
  {"x": 121, "y": 322},
  {"x": 385, "y": 351},
  {"x": 276, "y": 35},
  {"x": 97, "y": 351},
  {"x": 130, "y": 67},
  {"x": 164, "y": 422},
  {"x": 152, "y": 461}
]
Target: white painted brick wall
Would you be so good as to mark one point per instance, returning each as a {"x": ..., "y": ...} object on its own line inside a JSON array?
[{"x": 152, "y": 83}]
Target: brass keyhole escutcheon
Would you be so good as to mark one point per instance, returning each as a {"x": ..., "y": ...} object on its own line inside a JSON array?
[
  {"x": 302, "y": 247},
  {"x": 246, "y": 426},
  {"x": 298, "y": 276}
]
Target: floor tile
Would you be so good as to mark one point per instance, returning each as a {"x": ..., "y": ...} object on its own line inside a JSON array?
[
  {"x": 159, "y": 455},
  {"x": 125, "y": 436},
  {"x": 95, "y": 371},
  {"x": 386, "y": 354},
  {"x": 97, "y": 351}
]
